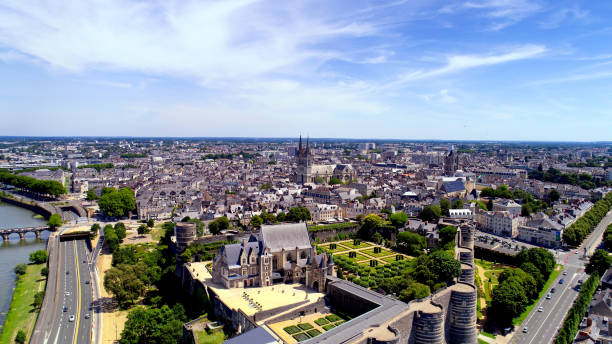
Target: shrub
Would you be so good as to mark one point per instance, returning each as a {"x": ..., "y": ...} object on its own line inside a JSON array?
[
  {"x": 314, "y": 333},
  {"x": 321, "y": 321},
  {"x": 305, "y": 326},
  {"x": 20, "y": 269},
  {"x": 291, "y": 329}
]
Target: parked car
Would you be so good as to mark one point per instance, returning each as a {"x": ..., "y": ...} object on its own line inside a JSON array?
[
  {"x": 548, "y": 296},
  {"x": 561, "y": 281},
  {"x": 71, "y": 319}
]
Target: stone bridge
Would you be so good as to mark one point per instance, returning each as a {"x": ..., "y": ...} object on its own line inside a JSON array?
[{"x": 5, "y": 232}]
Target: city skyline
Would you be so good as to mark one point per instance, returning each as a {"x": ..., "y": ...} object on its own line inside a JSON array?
[{"x": 486, "y": 70}]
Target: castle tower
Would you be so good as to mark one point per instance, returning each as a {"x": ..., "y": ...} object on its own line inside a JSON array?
[{"x": 463, "y": 314}]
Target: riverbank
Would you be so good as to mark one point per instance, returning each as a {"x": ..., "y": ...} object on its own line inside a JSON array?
[
  {"x": 22, "y": 315},
  {"x": 20, "y": 202}
]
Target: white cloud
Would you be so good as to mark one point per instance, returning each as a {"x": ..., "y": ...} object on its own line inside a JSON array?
[
  {"x": 456, "y": 63},
  {"x": 559, "y": 16},
  {"x": 504, "y": 12}
]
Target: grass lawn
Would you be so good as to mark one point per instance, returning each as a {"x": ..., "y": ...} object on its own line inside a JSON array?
[
  {"x": 314, "y": 333},
  {"x": 556, "y": 271},
  {"x": 487, "y": 334},
  {"x": 300, "y": 337},
  {"x": 291, "y": 329},
  {"x": 391, "y": 259},
  {"x": 358, "y": 257},
  {"x": 157, "y": 231},
  {"x": 480, "y": 341},
  {"x": 305, "y": 326},
  {"x": 339, "y": 248},
  {"x": 383, "y": 252},
  {"x": 21, "y": 315},
  {"x": 333, "y": 318},
  {"x": 202, "y": 337},
  {"x": 328, "y": 327},
  {"x": 321, "y": 321},
  {"x": 362, "y": 244}
]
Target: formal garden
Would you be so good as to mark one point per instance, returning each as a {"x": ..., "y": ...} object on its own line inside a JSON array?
[{"x": 306, "y": 330}]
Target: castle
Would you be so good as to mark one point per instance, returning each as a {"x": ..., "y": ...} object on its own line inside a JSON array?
[
  {"x": 308, "y": 172},
  {"x": 282, "y": 253}
]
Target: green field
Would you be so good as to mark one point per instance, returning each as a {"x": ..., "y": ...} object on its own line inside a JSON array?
[
  {"x": 202, "y": 337},
  {"x": 362, "y": 244},
  {"x": 339, "y": 248},
  {"x": 391, "y": 259},
  {"x": 357, "y": 258},
  {"x": 383, "y": 252},
  {"x": 21, "y": 315}
]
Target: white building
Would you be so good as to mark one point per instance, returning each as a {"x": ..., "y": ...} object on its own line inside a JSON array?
[
  {"x": 460, "y": 213},
  {"x": 498, "y": 222}
]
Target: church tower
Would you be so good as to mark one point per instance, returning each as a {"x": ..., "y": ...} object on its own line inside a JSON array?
[
  {"x": 304, "y": 163},
  {"x": 451, "y": 161}
]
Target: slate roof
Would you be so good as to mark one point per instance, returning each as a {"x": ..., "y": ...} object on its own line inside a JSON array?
[
  {"x": 231, "y": 253},
  {"x": 258, "y": 335},
  {"x": 286, "y": 235},
  {"x": 453, "y": 186}
]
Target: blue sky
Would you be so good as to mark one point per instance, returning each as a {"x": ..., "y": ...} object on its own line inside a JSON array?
[{"x": 489, "y": 69}]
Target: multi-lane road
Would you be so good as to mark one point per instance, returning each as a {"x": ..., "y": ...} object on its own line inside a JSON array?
[
  {"x": 66, "y": 317},
  {"x": 543, "y": 326}
]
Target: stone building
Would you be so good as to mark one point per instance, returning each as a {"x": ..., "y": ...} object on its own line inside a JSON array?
[
  {"x": 282, "y": 253},
  {"x": 308, "y": 172},
  {"x": 451, "y": 161}
]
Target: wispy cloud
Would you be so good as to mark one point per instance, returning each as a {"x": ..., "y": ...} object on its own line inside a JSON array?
[
  {"x": 504, "y": 13},
  {"x": 561, "y": 15},
  {"x": 457, "y": 63}
]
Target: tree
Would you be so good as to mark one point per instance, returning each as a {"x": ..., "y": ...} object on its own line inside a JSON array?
[
  {"x": 143, "y": 229},
  {"x": 444, "y": 206},
  {"x": 599, "y": 262},
  {"x": 20, "y": 338},
  {"x": 91, "y": 195},
  {"x": 458, "y": 204},
  {"x": 298, "y": 214},
  {"x": 543, "y": 260},
  {"x": 150, "y": 223},
  {"x": 120, "y": 230},
  {"x": 527, "y": 281},
  {"x": 526, "y": 210},
  {"x": 219, "y": 224},
  {"x": 430, "y": 213},
  {"x": 20, "y": 269},
  {"x": 44, "y": 271},
  {"x": 38, "y": 299},
  {"x": 281, "y": 217},
  {"x": 414, "y": 290},
  {"x": 154, "y": 325},
  {"x": 413, "y": 243},
  {"x": 398, "y": 219},
  {"x": 534, "y": 272},
  {"x": 38, "y": 257},
  {"x": 95, "y": 228},
  {"x": 256, "y": 221},
  {"x": 554, "y": 196},
  {"x": 110, "y": 238},
  {"x": 508, "y": 300},
  {"x": 54, "y": 221},
  {"x": 447, "y": 236},
  {"x": 117, "y": 203},
  {"x": 334, "y": 181},
  {"x": 124, "y": 284},
  {"x": 490, "y": 205}
]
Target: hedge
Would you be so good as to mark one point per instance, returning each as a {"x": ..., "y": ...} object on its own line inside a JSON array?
[
  {"x": 574, "y": 316},
  {"x": 333, "y": 227}
]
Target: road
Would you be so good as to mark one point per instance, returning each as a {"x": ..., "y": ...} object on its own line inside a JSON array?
[
  {"x": 542, "y": 326},
  {"x": 73, "y": 293}
]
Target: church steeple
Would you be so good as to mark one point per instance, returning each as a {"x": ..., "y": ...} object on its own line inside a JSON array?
[
  {"x": 300, "y": 146},
  {"x": 307, "y": 145}
]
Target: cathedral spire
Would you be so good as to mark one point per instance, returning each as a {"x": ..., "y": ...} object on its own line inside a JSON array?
[{"x": 308, "y": 145}]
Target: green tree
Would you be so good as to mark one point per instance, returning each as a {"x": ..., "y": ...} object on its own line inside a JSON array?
[
  {"x": 120, "y": 230},
  {"x": 526, "y": 210},
  {"x": 430, "y": 213},
  {"x": 414, "y": 290},
  {"x": 298, "y": 214},
  {"x": 44, "y": 271},
  {"x": 599, "y": 263},
  {"x": 554, "y": 196},
  {"x": 155, "y": 325},
  {"x": 458, "y": 204},
  {"x": 531, "y": 269},
  {"x": 490, "y": 205},
  {"x": 38, "y": 257},
  {"x": 413, "y": 243},
  {"x": 20, "y": 269},
  {"x": 444, "y": 206},
  {"x": 95, "y": 228},
  {"x": 398, "y": 219},
  {"x": 334, "y": 181},
  {"x": 20, "y": 338},
  {"x": 124, "y": 284},
  {"x": 38, "y": 299},
  {"x": 150, "y": 223},
  {"x": 543, "y": 260},
  {"x": 508, "y": 300},
  {"x": 256, "y": 221},
  {"x": 447, "y": 236},
  {"x": 91, "y": 195},
  {"x": 143, "y": 229},
  {"x": 54, "y": 221},
  {"x": 110, "y": 238}
]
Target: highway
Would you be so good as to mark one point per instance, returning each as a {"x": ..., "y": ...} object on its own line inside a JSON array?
[
  {"x": 543, "y": 326},
  {"x": 73, "y": 293}
]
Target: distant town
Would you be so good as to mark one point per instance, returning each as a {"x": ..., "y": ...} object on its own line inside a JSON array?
[{"x": 311, "y": 240}]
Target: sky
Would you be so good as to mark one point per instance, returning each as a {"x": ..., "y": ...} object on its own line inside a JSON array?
[{"x": 465, "y": 70}]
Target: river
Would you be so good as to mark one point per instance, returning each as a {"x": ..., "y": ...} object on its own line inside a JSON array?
[{"x": 15, "y": 251}]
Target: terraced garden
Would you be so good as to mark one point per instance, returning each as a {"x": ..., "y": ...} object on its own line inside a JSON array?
[{"x": 307, "y": 330}]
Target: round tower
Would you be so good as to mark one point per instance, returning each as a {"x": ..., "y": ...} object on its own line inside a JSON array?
[
  {"x": 463, "y": 314},
  {"x": 429, "y": 325},
  {"x": 467, "y": 273},
  {"x": 467, "y": 237},
  {"x": 185, "y": 233}
]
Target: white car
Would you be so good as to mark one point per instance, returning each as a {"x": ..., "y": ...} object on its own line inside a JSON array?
[
  {"x": 564, "y": 273},
  {"x": 540, "y": 309},
  {"x": 71, "y": 319},
  {"x": 67, "y": 293}
]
